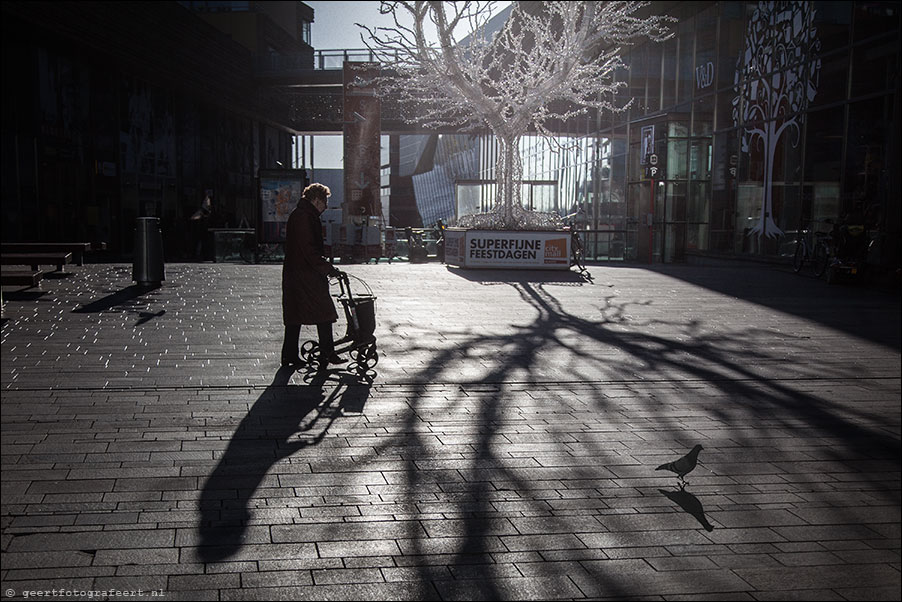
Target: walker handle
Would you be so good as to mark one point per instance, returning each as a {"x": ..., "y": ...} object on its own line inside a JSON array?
[{"x": 345, "y": 285}]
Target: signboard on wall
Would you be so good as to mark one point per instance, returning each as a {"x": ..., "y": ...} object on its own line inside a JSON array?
[
  {"x": 280, "y": 192},
  {"x": 647, "y": 147},
  {"x": 502, "y": 249}
]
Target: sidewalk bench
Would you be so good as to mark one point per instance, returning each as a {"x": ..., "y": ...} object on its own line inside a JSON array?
[
  {"x": 36, "y": 259},
  {"x": 21, "y": 278},
  {"x": 78, "y": 249}
]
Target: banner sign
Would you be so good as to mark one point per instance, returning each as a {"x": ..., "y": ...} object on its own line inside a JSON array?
[{"x": 502, "y": 249}]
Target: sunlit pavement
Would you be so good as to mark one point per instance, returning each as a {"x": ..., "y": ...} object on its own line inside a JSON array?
[{"x": 503, "y": 447}]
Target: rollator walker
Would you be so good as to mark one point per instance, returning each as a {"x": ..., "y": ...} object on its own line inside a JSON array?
[{"x": 358, "y": 342}]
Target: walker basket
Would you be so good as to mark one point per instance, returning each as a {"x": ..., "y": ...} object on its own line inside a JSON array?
[{"x": 361, "y": 313}]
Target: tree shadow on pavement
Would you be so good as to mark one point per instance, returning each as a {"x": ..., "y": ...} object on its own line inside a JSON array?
[
  {"x": 283, "y": 420},
  {"x": 682, "y": 356}
]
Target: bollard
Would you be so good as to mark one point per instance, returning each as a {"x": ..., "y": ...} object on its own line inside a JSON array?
[{"x": 148, "y": 266}]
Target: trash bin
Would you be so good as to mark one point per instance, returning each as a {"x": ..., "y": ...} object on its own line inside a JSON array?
[{"x": 148, "y": 267}]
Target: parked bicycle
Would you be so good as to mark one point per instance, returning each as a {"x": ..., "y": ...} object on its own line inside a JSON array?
[
  {"x": 577, "y": 248},
  {"x": 812, "y": 251}
]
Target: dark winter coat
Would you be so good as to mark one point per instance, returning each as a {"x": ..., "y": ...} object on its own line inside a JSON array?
[{"x": 305, "y": 282}]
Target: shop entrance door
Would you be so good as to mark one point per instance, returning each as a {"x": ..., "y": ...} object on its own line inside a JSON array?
[
  {"x": 675, "y": 225},
  {"x": 648, "y": 220}
]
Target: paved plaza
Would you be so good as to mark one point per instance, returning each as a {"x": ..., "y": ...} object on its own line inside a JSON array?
[{"x": 504, "y": 446}]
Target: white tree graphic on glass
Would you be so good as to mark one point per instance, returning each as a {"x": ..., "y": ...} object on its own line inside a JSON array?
[
  {"x": 776, "y": 78},
  {"x": 552, "y": 65}
]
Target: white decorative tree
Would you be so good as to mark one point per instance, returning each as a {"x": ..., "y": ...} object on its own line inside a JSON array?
[
  {"x": 542, "y": 66},
  {"x": 776, "y": 77}
]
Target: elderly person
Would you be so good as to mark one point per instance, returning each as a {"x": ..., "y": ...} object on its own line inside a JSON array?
[{"x": 305, "y": 279}]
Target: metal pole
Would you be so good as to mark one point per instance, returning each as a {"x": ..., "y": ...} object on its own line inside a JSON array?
[{"x": 651, "y": 225}]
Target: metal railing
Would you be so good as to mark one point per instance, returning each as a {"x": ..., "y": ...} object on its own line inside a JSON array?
[
  {"x": 604, "y": 245},
  {"x": 319, "y": 60},
  {"x": 333, "y": 59}
]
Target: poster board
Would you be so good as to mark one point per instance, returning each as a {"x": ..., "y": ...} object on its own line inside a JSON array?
[{"x": 280, "y": 192}]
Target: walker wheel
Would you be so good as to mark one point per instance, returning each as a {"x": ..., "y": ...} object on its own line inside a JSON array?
[
  {"x": 366, "y": 357},
  {"x": 309, "y": 351}
]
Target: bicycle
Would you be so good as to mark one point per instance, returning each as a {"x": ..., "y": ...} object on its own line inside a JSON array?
[
  {"x": 577, "y": 248},
  {"x": 577, "y": 252},
  {"x": 815, "y": 254}
]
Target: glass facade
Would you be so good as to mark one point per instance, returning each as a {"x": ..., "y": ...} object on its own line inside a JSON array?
[
  {"x": 754, "y": 121},
  {"x": 765, "y": 117}
]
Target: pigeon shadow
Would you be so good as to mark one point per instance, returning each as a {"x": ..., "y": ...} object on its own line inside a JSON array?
[
  {"x": 284, "y": 420},
  {"x": 690, "y": 504}
]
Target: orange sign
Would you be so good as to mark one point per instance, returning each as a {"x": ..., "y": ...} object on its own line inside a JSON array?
[{"x": 556, "y": 251}]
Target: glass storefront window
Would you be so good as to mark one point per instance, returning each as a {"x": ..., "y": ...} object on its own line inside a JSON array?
[
  {"x": 675, "y": 205},
  {"x": 833, "y": 78},
  {"x": 825, "y": 203},
  {"x": 787, "y": 159},
  {"x": 622, "y": 95},
  {"x": 697, "y": 210},
  {"x": 788, "y": 213},
  {"x": 700, "y": 159},
  {"x": 677, "y": 151},
  {"x": 732, "y": 40},
  {"x": 749, "y": 196},
  {"x": 833, "y": 21},
  {"x": 697, "y": 215},
  {"x": 686, "y": 65},
  {"x": 677, "y": 129},
  {"x": 668, "y": 74},
  {"x": 725, "y": 107},
  {"x": 636, "y": 168},
  {"x": 703, "y": 116},
  {"x": 874, "y": 18},
  {"x": 705, "y": 61},
  {"x": 675, "y": 226},
  {"x": 725, "y": 161},
  {"x": 865, "y": 153},
  {"x": 654, "y": 57},
  {"x": 638, "y": 77},
  {"x": 875, "y": 67},
  {"x": 618, "y": 178}
]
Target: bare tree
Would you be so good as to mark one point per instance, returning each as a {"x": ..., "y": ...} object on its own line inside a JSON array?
[
  {"x": 546, "y": 65},
  {"x": 775, "y": 80}
]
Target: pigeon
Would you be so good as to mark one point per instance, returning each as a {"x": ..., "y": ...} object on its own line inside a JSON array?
[{"x": 684, "y": 465}]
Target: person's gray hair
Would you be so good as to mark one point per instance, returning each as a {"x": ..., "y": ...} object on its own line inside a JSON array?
[{"x": 317, "y": 191}]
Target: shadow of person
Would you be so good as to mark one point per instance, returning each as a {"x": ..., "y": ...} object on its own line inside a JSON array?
[
  {"x": 285, "y": 418},
  {"x": 690, "y": 504}
]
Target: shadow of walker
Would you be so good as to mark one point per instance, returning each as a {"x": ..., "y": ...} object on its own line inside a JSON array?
[{"x": 284, "y": 419}]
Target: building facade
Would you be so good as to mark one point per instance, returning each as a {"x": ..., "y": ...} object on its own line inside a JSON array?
[
  {"x": 755, "y": 121},
  {"x": 106, "y": 120}
]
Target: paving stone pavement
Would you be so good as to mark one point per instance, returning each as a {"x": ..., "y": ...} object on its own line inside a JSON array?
[{"x": 503, "y": 447}]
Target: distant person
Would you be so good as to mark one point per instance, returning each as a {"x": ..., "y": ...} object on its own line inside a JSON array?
[
  {"x": 200, "y": 224},
  {"x": 305, "y": 279}
]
